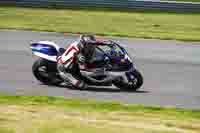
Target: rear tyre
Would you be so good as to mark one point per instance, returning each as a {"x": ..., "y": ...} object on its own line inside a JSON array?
[
  {"x": 45, "y": 72},
  {"x": 134, "y": 85}
]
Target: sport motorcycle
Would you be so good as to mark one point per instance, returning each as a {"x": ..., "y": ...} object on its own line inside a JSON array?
[{"x": 111, "y": 65}]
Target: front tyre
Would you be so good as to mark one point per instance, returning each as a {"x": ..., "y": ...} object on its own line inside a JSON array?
[
  {"x": 45, "y": 72},
  {"x": 134, "y": 85}
]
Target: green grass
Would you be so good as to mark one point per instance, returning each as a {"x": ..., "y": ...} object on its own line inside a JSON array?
[
  {"x": 104, "y": 22},
  {"x": 40, "y": 114}
]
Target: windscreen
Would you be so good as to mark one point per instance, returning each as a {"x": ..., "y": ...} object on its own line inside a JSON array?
[{"x": 111, "y": 50}]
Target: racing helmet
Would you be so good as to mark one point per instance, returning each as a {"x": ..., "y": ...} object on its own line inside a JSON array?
[
  {"x": 87, "y": 46},
  {"x": 85, "y": 39}
]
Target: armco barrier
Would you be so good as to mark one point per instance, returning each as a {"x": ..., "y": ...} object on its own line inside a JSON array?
[{"x": 117, "y": 4}]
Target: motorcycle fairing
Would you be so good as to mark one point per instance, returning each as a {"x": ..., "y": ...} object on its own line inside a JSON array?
[
  {"x": 45, "y": 49},
  {"x": 116, "y": 55}
]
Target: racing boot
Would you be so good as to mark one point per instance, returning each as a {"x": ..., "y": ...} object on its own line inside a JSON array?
[{"x": 70, "y": 78}]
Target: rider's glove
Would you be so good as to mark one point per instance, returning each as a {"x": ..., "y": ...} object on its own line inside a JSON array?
[{"x": 80, "y": 58}]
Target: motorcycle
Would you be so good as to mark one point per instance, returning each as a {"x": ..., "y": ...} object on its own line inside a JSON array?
[{"x": 111, "y": 65}]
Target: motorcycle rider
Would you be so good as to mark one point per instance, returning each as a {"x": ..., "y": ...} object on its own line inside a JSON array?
[{"x": 79, "y": 52}]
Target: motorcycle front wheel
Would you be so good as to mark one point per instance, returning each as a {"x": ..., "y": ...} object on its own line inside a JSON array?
[{"x": 132, "y": 86}]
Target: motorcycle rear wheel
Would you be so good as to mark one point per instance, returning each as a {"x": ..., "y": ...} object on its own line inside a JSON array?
[{"x": 45, "y": 72}]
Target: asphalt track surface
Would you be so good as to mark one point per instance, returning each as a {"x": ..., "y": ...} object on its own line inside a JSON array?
[{"x": 171, "y": 71}]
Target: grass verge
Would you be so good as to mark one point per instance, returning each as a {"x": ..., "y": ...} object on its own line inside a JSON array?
[
  {"x": 40, "y": 114},
  {"x": 157, "y": 25}
]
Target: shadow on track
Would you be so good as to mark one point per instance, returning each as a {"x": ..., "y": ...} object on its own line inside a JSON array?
[
  {"x": 99, "y": 89},
  {"x": 105, "y": 89}
]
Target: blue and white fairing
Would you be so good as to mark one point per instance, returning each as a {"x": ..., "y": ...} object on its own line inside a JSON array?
[
  {"x": 45, "y": 49},
  {"x": 117, "y": 56}
]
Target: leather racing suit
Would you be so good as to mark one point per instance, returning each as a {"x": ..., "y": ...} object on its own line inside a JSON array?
[{"x": 67, "y": 63}]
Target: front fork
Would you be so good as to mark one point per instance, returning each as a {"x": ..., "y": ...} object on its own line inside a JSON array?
[
  {"x": 126, "y": 76},
  {"x": 130, "y": 74}
]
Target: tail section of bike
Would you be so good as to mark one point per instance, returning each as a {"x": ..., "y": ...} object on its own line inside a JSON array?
[{"x": 46, "y": 50}]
